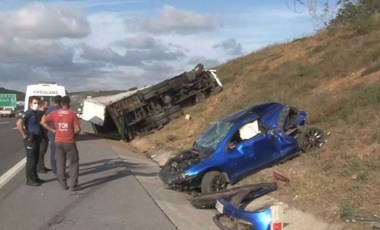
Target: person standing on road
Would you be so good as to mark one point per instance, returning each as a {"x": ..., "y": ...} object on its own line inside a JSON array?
[
  {"x": 31, "y": 131},
  {"x": 66, "y": 128},
  {"x": 56, "y": 105},
  {"x": 44, "y": 141}
]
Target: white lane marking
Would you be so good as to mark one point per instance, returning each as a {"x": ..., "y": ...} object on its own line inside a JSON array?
[
  {"x": 12, "y": 172},
  {"x": 15, "y": 128},
  {"x": 4, "y": 122}
]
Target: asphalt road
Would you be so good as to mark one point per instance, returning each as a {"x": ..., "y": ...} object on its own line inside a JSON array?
[{"x": 11, "y": 146}]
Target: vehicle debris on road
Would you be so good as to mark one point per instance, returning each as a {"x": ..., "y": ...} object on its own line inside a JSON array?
[
  {"x": 232, "y": 214},
  {"x": 253, "y": 191}
]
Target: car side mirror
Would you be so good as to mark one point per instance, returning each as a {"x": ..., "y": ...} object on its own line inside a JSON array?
[{"x": 272, "y": 133}]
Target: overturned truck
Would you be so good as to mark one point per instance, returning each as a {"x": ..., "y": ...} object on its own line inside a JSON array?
[{"x": 138, "y": 112}]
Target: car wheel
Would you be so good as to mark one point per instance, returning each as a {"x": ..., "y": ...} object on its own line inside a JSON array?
[
  {"x": 214, "y": 181},
  {"x": 310, "y": 139}
]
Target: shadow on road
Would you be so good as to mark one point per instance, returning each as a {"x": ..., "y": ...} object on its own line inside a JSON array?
[
  {"x": 87, "y": 137},
  {"x": 123, "y": 169}
]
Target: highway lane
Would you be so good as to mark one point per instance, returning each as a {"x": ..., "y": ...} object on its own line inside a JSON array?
[{"x": 11, "y": 146}]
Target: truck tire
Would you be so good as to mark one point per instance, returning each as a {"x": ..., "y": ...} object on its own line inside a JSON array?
[
  {"x": 167, "y": 99},
  {"x": 198, "y": 69},
  {"x": 190, "y": 76}
]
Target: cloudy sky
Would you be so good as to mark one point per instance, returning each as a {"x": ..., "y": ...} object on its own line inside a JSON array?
[{"x": 119, "y": 44}]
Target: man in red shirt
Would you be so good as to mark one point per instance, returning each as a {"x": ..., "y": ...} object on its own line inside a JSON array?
[{"x": 66, "y": 128}]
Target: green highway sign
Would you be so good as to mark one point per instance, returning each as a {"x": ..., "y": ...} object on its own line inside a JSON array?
[{"x": 8, "y": 100}]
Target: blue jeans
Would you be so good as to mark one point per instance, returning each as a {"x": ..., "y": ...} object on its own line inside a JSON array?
[{"x": 53, "y": 161}]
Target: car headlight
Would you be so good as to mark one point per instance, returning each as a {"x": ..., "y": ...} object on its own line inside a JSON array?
[{"x": 182, "y": 176}]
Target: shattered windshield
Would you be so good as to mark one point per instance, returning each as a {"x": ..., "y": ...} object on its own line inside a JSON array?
[{"x": 210, "y": 139}]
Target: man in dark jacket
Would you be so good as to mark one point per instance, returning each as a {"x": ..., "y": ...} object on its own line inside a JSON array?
[
  {"x": 44, "y": 141},
  {"x": 31, "y": 131},
  {"x": 51, "y": 136}
]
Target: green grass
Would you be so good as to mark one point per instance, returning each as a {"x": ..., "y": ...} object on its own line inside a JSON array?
[{"x": 348, "y": 210}]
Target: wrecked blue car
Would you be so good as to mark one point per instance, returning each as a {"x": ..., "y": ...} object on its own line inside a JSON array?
[{"x": 239, "y": 145}]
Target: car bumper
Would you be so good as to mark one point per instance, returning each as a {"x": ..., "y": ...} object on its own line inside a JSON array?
[{"x": 179, "y": 180}]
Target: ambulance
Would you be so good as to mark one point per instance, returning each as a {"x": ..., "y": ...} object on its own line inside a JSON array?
[{"x": 45, "y": 91}]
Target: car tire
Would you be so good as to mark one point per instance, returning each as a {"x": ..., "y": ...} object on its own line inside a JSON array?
[
  {"x": 214, "y": 181},
  {"x": 310, "y": 138}
]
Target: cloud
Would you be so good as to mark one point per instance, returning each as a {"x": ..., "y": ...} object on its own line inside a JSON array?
[
  {"x": 34, "y": 52},
  {"x": 208, "y": 63},
  {"x": 141, "y": 41},
  {"x": 171, "y": 19},
  {"x": 230, "y": 47},
  {"x": 139, "y": 51},
  {"x": 48, "y": 21}
]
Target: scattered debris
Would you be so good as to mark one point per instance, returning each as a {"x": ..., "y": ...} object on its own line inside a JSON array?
[
  {"x": 233, "y": 214},
  {"x": 253, "y": 191},
  {"x": 279, "y": 175}
]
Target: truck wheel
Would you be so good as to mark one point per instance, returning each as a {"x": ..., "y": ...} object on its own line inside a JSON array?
[
  {"x": 190, "y": 76},
  {"x": 167, "y": 99},
  {"x": 214, "y": 181},
  {"x": 198, "y": 69},
  {"x": 310, "y": 138}
]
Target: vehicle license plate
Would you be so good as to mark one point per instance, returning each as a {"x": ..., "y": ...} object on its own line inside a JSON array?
[{"x": 219, "y": 207}]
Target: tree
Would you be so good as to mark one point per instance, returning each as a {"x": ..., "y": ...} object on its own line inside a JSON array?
[{"x": 359, "y": 15}]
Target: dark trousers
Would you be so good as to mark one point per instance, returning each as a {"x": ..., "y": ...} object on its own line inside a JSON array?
[
  {"x": 53, "y": 162},
  {"x": 41, "y": 159},
  {"x": 32, "y": 149},
  {"x": 65, "y": 151}
]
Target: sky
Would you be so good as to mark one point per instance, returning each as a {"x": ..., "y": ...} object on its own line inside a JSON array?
[{"x": 121, "y": 44}]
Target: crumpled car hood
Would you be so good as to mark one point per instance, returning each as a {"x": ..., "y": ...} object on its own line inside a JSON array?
[{"x": 171, "y": 172}]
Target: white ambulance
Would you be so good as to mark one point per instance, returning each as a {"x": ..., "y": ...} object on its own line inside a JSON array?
[{"x": 46, "y": 92}]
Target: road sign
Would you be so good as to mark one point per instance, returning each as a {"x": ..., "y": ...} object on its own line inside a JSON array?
[{"x": 8, "y": 100}]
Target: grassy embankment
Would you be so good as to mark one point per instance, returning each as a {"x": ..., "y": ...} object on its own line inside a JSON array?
[{"x": 335, "y": 77}]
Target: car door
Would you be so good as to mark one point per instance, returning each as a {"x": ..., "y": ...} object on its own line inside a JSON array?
[{"x": 242, "y": 147}]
